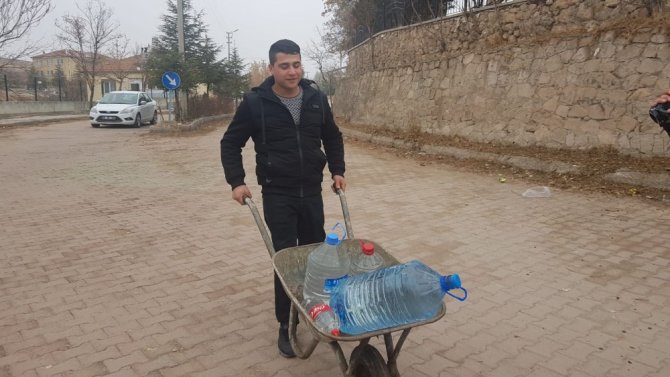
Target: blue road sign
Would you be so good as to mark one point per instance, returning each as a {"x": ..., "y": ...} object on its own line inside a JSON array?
[{"x": 171, "y": 80}]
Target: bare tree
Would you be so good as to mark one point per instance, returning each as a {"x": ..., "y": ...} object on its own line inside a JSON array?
[
  {"x": 118, "y": 52},
  {"x": 17, "y": 17},
  {"x": 85, "y": 36},
  {"x": 258, "y": 71},
  {"x": 329, "y": 62}
]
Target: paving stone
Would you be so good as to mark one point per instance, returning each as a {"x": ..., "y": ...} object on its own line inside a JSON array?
[{"x": 123, "y": 254}]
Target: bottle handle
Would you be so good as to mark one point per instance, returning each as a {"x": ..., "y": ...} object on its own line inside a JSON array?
[
  {"x": 463, "y": 298},
  {"x": 342, "y": 228}
]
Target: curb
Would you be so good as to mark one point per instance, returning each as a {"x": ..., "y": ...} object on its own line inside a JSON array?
[
  {"x": 32, "y": 120},
  {"x": 194, "y": 125},
  {"x": 658, "y": 181}
]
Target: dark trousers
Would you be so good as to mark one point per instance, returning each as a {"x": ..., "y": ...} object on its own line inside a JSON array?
[{"x": 292, "y": 221}]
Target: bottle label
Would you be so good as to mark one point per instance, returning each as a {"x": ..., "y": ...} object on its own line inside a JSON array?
[
  {"x": 318, "y": 309},
  {"x": 330, "y": 284}
]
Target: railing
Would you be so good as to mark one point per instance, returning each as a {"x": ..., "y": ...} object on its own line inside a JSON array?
[{"x": 400, "y": 13}]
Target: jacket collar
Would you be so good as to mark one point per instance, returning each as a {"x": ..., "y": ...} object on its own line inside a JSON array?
[{"x": 265, "y": 89}]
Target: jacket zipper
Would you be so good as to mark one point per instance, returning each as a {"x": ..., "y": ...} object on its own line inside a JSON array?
[
  {"x": 297, "y": 135},
  {"x": 300, "y": 156}
]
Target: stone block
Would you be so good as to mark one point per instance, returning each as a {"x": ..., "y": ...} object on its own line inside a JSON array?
[
  {"x": 551, "y": 105},
  {"x": 562, "y": 111},
  {"x": 629, "y": 52},
  {"x": 626, "y": 124},
  {"x": 612, "y": 3},
  {"x": 599, "y": 111},
  {"x": 583, "y": 54},
  {"x": 607, "y": 137},
  {"x": 650, "y": 66},
  {"x": 577, "y": 111}
]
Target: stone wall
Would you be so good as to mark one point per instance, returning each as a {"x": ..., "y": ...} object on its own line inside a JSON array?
[{"x": 561, "y": 73}]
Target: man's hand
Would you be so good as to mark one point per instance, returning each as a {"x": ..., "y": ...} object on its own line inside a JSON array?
[
  {"x": 241, "y": 192},
  {"x": 339, "y": 183},
  {"x": 665, "y": 97}
]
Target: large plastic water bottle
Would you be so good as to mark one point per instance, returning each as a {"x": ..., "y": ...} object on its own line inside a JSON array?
[
  {"x": 367, "y": 260},
  {"x": 327, "y": 266},
  {"x": 390, "y": 297},
  {"x": 324, "y": 317}
]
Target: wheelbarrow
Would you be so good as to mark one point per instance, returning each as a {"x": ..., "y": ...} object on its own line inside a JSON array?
[{"x": 290, "y": 265}]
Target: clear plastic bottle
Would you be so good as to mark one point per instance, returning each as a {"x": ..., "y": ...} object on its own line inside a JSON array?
[
  {"x": 390, "y": 297},
  {"x": 327, "y": 266},
  {"x": 367, "y": 260},
  {"x": 324, "y": 317}
]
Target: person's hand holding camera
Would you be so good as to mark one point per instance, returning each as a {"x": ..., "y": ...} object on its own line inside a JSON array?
[{"x": 660, "y": 111}]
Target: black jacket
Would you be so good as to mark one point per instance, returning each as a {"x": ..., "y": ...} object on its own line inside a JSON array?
[{"x": 289, "y": 158}]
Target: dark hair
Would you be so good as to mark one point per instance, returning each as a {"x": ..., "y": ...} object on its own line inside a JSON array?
[{"x": 283, "y": 45}]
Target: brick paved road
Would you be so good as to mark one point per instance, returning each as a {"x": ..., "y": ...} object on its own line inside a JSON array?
[{"x": 121, "y": 254}]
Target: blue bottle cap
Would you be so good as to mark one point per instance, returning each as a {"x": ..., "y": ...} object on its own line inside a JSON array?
[
  {"x": 332, "y": 239},
  {"x": 450, "y": 282}
]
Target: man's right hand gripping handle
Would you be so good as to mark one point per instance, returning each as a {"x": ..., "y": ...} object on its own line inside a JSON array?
[{"x": 241, "y": 192}]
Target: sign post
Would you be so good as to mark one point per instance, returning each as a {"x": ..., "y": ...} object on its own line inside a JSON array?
[{"x": 171, "y": 81}]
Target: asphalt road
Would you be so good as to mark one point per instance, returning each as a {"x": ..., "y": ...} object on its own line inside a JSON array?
[{"x": 122, "y": 254}]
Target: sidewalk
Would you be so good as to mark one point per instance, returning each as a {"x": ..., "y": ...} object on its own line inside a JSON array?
[
  {"x": 122, "y": 254},
  {"x": 39, "y": 119}
]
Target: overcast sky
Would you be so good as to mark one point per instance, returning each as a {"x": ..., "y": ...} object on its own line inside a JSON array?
[{"x": 258, "y": 25}]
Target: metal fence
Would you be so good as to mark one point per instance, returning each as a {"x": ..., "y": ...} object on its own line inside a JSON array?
[
  {"x": 461, "y": 6},
  {"x": 389, "y": 14},
  {"x": 23, "y": 86}
]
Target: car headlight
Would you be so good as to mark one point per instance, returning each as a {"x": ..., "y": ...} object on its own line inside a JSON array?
[
  {"x": 126, "y": 110},
  {"x": 94, "y": 109}
]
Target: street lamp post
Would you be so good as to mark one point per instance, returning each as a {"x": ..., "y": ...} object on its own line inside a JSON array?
[{"x": 229, "y": 39}]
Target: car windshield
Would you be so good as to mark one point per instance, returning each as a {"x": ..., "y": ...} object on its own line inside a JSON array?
[{"x": 120, "y": 98}]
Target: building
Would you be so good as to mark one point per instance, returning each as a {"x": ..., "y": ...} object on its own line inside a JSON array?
[
  {"x": 119, "y": 74},
  {"x": 111, "y": 74},
  {"x": 49, "y": 63}
]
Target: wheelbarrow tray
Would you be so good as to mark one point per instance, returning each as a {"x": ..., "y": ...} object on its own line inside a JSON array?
[{"x": 291, "y": 264}]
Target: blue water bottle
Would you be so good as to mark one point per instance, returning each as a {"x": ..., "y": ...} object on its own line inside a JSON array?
[{"x": 392, "y": 296}]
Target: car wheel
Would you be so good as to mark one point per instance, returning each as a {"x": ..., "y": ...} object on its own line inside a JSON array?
[
  {"x": 94, "y": 125},
  {"x": 138, "y": 121},
  {"x": 153, "y": 120}
]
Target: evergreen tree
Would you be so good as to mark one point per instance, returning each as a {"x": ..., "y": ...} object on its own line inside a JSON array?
[
  {"x": 211, "y": 69},
  {"x": 164, "y": 54},
  {"x": 234, "y": 81}
]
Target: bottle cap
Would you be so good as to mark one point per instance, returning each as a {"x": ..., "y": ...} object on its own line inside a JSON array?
[
  {"x": 368, "y": 248},
  {"x": 332, "y": 239},
  {"x": 450, "y": 282},
  {"x": 335, "y": 332}
]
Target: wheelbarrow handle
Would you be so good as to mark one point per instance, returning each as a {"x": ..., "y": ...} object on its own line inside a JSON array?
[
  {"x": 265, "y": 233},
  {"x": 345, "y": 212}
]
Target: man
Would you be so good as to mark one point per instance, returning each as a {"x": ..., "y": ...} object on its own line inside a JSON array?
[
  {"x": 288, "y": 121},
  {"x": 660, "y": 111}
]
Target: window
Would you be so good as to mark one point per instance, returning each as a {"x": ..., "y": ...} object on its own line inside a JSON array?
[
  {"x": 135, "y": 87},
  {"x": 108, "y": 86}
]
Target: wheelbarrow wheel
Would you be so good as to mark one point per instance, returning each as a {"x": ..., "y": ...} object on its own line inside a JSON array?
[{"x": 368, "y": 362}]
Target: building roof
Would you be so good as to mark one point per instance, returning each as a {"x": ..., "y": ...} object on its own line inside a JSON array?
[
  {"x": 55, "y": 54},
  {"x": 130, "y": 64},
  {"x": 16, "y": 63},
  {"x": 62, "y": 54}
]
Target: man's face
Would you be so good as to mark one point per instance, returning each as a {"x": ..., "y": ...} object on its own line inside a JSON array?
[{"x": 287, "y": 72}]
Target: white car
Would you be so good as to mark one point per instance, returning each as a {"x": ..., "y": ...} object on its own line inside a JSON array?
[{"x": 124, "y": 107}]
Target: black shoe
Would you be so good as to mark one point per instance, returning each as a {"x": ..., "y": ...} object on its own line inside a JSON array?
[{"x": 283, "y": 343}]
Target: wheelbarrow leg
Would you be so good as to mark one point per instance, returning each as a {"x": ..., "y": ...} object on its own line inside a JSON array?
[
  {"x": 393, "y": 352},
  {"x": 341, "y": 359},
  {"x": 301, "y": 352}
]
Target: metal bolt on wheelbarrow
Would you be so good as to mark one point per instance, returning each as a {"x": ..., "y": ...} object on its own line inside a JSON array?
[{"x": 290, "y": 265}]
